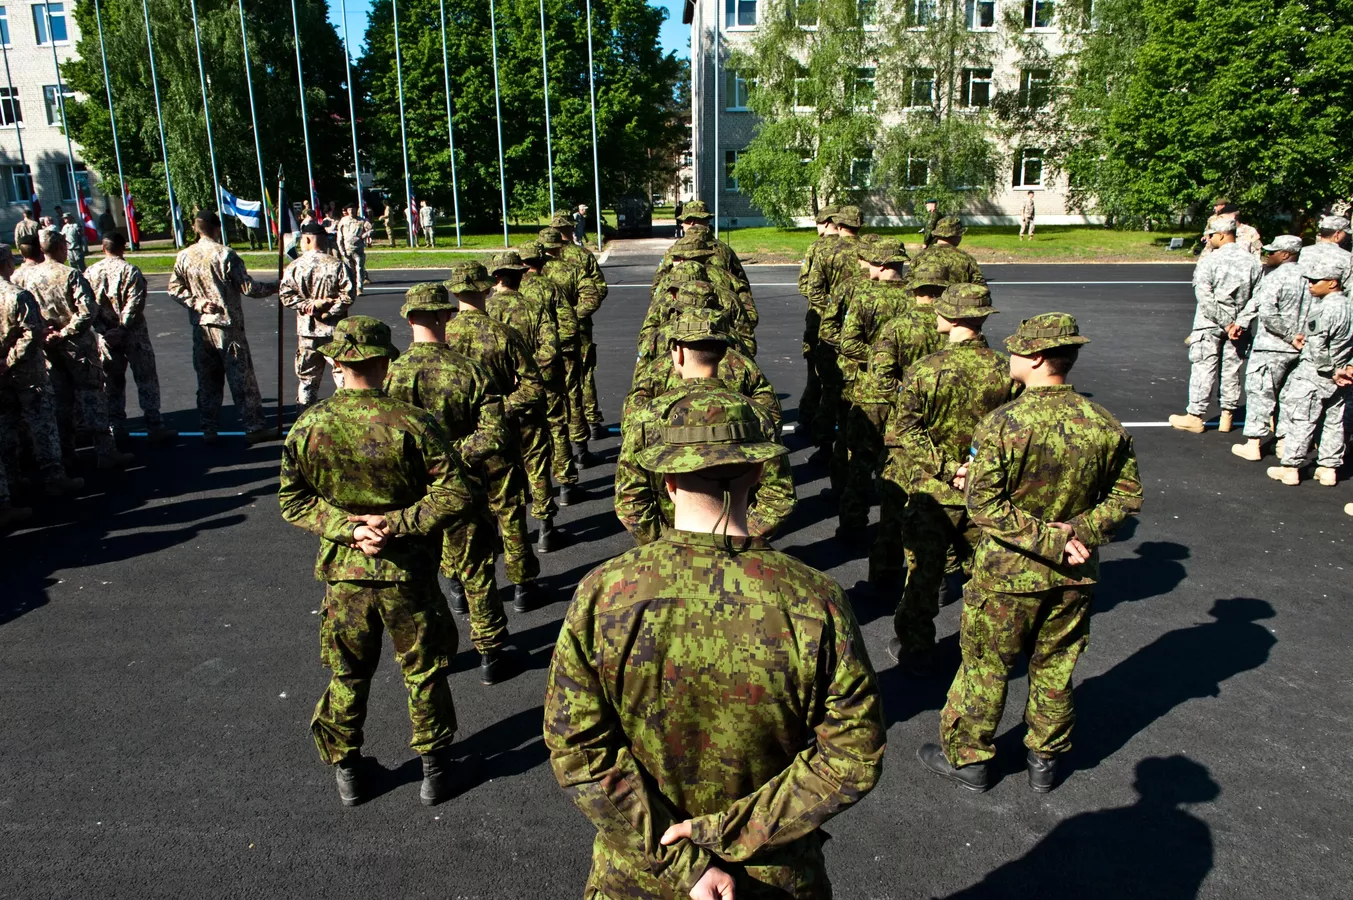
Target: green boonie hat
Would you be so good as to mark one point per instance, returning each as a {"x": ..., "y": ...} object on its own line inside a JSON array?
[
  {"x": 848, "y": 216},
  {"x": 692, "y": 245},
  {"x": 705, "y": 429},
  {"x": 426, "y": 297},
  {"x": 531, "y": 252},
  {"x": 882, "y": 252},
  {"x": 925, "y": 274},
  {"x": 696, "y": 209},
  {"x": 467, "y": 278},
  {"x": 824, "y": 215},
  {"x": 684, "y": 271},
  {"x": 949, "y": 226},
  {"x": 1045, "y": 332},
  {"x": 561, "y": 220},
  {"x": 359, "y": 338},
  {"x": 550, "y": 238},
  {"x": 692, "y": 326},
  {"x": 508, "y": 260},
  {"x": 965, "y": 301},
  {"x": 696, "y": 295}
]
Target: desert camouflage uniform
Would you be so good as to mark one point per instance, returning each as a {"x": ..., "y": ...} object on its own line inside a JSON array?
[
  {"x": 1222, "y": 283},
  {"x": 580, "y": 297},
  {"x": 209, "y": 279},
  {"x": 537, "y": 287},
  {"x": 25, "y": 228},
  {"x": 590, "y": 297},
  {"x": 324, "y": 283},
  {"x": 387, "y": 219},
  {"x": 352, "y": 233},
  {"x": 120, "y": 291},
  {"x": 1278, "y": 313},
  {"x": 1311, "y": 405},
  {"x": 26, "y": 399}
]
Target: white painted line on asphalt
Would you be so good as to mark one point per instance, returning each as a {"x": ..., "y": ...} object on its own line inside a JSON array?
[{"x": 1212, "y": 424}]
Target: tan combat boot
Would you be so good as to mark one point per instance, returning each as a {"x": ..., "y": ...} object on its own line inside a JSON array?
[
  {"x": 1252, "y": 450},
  {"x": 1348, "y": 509},
  {"x": 1278, "y": 448},
  {"x": 1326, "y": 476},
  {"x": 1286, "y": 474},
  {"x": 1189, "y": 423},
  {"x": 1227, "y": 421}
]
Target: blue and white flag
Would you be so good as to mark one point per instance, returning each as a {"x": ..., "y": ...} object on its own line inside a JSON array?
[{"x": 249, "y": 212}]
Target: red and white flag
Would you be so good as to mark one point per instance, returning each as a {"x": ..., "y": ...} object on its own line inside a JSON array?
[
  {"x": 91, "y": 232},
  {"x": 133, "y": 230}
]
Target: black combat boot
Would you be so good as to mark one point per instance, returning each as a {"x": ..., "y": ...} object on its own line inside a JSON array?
[
  {"x": 951, "y": 590},
  {"x": 492, "y": 667},
  {"x": 853, "y": 535},
  {"x": 974, "y": 777},
  {"x": 547, "y": 541},
  {"x": 1042, "y": 772},
  {"x": 438, "y": 784},
  {"x": 570, "y": 494},
  {"x": 455, "y": 595},
  {"x": 910, "y": 661},
  {"x": 525, "y": 597},
  {"x": 582, "y": 457},
  {"x": 348, "y": 774},
  {"x": 600, "y": 432}
]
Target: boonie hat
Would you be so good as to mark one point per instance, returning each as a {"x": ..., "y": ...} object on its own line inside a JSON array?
[
  {"x": 1054, "y": 329},
  {"x": 531, "y": 252},
  {"x": 848, "y": 216},
  {"x": 824, "y": 214},
  {"x": 426, "y": 297},
  {"x": 694, "y": 246},
  {"x": 696, "y": 295},
  {"x": 507, "y": 261},
  {"x": 561, "y": 220},
  {"x": 550, "y": 238},
  {"x": 947, "y": 227},
  {"x": 1289, "y": 242},
  {"x": 467, "y": 278},
  {"x": 359, "y": 338},
  {"x": 705, "y": 429},
  {"x": 692, "y": 326},
  {"x": 883, "y": 251},
  {"x": 696, "y": 209},
  {"x": 965, "y": 301},
  {"x": 925, "y": 274}
]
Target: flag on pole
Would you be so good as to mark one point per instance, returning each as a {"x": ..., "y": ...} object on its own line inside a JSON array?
[
  {"x": 179, "y": 239},
  {"x": 34, "y": 201},
  {"x": 249, "y": 212},
  {"x": 133, "y": 229},
  {"x": 86, "y": 220}
]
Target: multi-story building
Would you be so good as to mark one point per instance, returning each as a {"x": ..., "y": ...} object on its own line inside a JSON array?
[{"x": 723, "y": 125}]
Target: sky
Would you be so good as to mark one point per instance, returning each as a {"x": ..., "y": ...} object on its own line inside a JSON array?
[{"x": 674, "y": 37}]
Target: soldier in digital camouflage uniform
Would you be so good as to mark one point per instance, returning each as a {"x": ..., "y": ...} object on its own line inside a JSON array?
[
  {"x": 1331, "y": 232},
  {"x": 584, "y": 300},
  {"x": 674, "y": 711},
  {"x": 698, "y": 357},
  {"x": 932, "y": 219},
  {"x": 73, "y": 346},
  {"x": 376, "y": 479},
  {"x": 1223, "y": 283},
  {"x": 873, "y": 302},
  {"x": 75, "y": 242},
  {"x": 944, "y": 251},
  {"x": 1314, "y": 401},
  {"x": 549, "y": 295},
  {"x": 352, "y": 232},
  {"x": 836, "y": 266},
  {"x": 1052, "y": 476},
  {"x": 120, "y": 292},
  {"x": 688, "y": 270},
  {"x": 942, "y": 398},
  {"x": 320, "y": 288},
  {"x": 812, "y": 391},
  {"x": 387, "y": 219},
  {"x": 696, "y": 219},
  {"x": 578, "y": 254},
  {"x": 504, "y": 354},
  {"x": 1247, "y": 236},
  {"x": 702, "y": 247},
  {"x": 1277, "y": 316},
  {"x": 210, "y": 279},
  {"x": 461, "y": 396}
]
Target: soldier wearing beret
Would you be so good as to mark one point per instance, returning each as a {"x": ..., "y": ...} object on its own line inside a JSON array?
[
  {"x": 944, "y": 251},
  {"x": 376, "y": 480},
  {"x": 674, "y": 711},
  {"x": 320, "y": 287},
  {"x": 1051, "y": 476}
]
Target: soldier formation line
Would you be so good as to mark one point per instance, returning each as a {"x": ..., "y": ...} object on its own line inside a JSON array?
[{"x": 710, "y": 703}]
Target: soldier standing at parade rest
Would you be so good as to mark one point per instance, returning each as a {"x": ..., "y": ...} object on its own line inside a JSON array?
[
  {"x": 120, "y": 291},
  {"x": 377, "y": 480},
  {"x": 209, "y": 279},
  {"x": 387, "y": 219},
  {"x": 959, "y": 265},
  {"x": 581, "y": 256},
  {"x": 427, "y": 221},
  {"x": 1331, "y": 232},
  {"x": 75, "y": 242},
  {"x": 27, "y": 226},
  {"x": 352, "y": 232},
  {"x": 1052, "y": 476},
  {"x": 319, "y": 287},
  {"x": 674, "y": 711}
]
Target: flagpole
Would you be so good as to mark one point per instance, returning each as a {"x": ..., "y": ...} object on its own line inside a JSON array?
[
  {"x": 718, "y": 164},
  {"x": 258, "y": 148},
  {"x": 112, "y": 118},
  {"x": 352, "y": 113},
  {"x": 159, "y": 118},
  {"x": 403, "y": 134},
  {"x": 18, "y": 132},
  {"x": 206, "y": 111},
  {"x": 305, "y": 122},
  {"x": 281, "y": 319},
  {"x": 61, "y": 103},
  {"x": 450, "y": 132},
  {"x": 592, "y": 89},
  {"x": 498, "y": 117},
  {"x": 545, "y": 76}
]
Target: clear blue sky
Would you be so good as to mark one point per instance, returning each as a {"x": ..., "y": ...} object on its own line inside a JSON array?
[{"x": 675, "y": 36}]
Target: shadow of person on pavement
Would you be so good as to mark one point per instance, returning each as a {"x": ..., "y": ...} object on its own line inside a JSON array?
[
  {"x": 1153, "y": 848},
  {"x": 1155, "y": 571}
]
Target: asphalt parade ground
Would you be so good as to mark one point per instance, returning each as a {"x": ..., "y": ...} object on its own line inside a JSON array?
[{"x": 159, "y": 662}]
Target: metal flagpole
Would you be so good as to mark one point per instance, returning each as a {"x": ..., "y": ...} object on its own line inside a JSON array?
[
  {"x": 206, "y": 110},
  {"x": 352, "y": 113},
  {"x": 498, "y": 116},
  {"x": 450, "y": 132},
  {"x": 305, "y": 122},
  {"x": 61, "y": 103},
  {"x": 545, "y": 76},
  {"x": 403, "y": 135},
  {"x": 14, "y": 117},
  {"x": 592, "y": 88},
  {"x": 258, "y": 149},
  {"x": 718, "y": 186},
  {"x": 112, "y": 118},
  {"x": 159, "y": 118}
]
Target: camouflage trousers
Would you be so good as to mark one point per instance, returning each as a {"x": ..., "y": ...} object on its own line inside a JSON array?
[
  {"x": 507, "y": 501},
  {"x": 573, "y": 382},
  {"x": 887, "y": 558},
  {"x": 828, "y": 413},
  {"x": 1265, "y": 375},
  {"x": 468, "y": 554},
  {"x": 134, "y": 350},
  {"x": 28, "y": 406},
  {"x": 77, "y": 386},
  {"x": 588, "y": 348},
  {"x": 221, "y": 356},
  {"x": 935, "y": 537},
  {"x": 563, "y": 468},
  {"x": 537, "y": 456},
  {"x": 865, "y": 424},
  {"x": 356, "y": 261},
  {"x": 310, "y": 366},
  {"x": 354, "y": 617},
  {"x": 1209, "y": 353},
  {"x": 1052, "y": 627},
  {"x": 1310, "y": 414}
]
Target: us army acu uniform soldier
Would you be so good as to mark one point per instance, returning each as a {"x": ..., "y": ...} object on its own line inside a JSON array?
[
  {"x": 1277, "y": 315},
  {"x": 1331, "y": 232},
  {"x": 942, "y": 398},
  {"x": 320, "y": 288},
  {"x": 376, "y": 479},
  {"x": 549, "y": 295},
  {"x": 352, "y": 233},
  {"x": 75, "y": 242},
  {"x": 120, "y": 292},
  {"x": 1223, "y": 282},
  {"x": 944, "y": 250},
  {"x": 210, "y": 279},
  {"x": 1052, "y": 476},
  {"x": 707, "y": 720}
]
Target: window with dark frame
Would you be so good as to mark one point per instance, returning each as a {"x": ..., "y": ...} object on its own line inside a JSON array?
[
  {"x": 739, "y": 13},
  {"x": 976, "y": 88},
  {"x": 11, "y": 110},
  {"x": 1029, "y": 169},
  {"x": 981, "y": 14}
]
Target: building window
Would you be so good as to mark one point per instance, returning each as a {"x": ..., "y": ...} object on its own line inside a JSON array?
[
  {"x": 976, "y": 88},
  {"x": 862, "y": 173},
  {"x": 81, "y": 178},
  {"x": 1089, "y": 15},
  {"x": 55, "y": 13},
  {"x": 868, "y": 10},
  {"x": 803, "y": 94},
  {"x": 918, "y": 171},
  {"x": 18, "y": 184},
  {"x": 1038, "y": 14},
  {"x": 805, "y": 13},
  {"x": 735, "y": 90},
  {"x": 921, "y": 13},
  {"x": 865, "y": 93},
  {"x": 921, "y": 88},
  {"x": 730, "y": 162},
  {"x": 1029, "y": 169},
  {"x": 4, "y": 27},
  {"x": 981, "y": 15},
  {"x": 1035, "y": 88},
  {"x": 10, "y": 109},
  {"x": 53, "y": 104},
  {"x": 739, "y": 13}
]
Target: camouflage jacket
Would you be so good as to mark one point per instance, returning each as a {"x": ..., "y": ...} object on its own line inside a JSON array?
[
  {"x": 1279, "y": 306},
  {"x": 1050, "y": 455},
  {"x": 1222, "y": 284},
  {"x": 656, "y": 376},
  {"x": 943, "y": 397},
  {"x": 544, "y": 291},
  {"x": 532, "y": 321},
  {"x": 352, "y": 233},
  {"x": 809, "y": 259},
  {"x": 958, "y": 263},
  {"x": 722, "y": 252},
  {"x": 931, "y": 221},
  {"x": 580, "y": 292},
  {"x": 828, "y": 284},
  {"x": 21, "y": 327},
  {"x": 1247, "y": 238},
  {"x": 119, "y": 291},
  {"x": 25, "y": 228},
  {"x": 731, "y": 687},
  {"x": 651, "y": 332},
  {"x": 903, "y": 339},
  {"x": 460, "y": 395},
  {"x": 870, "y": 306},
  {"x": 1331, "y": 252},
  {"x": 361, "y": 452},
  {"x": 209, "y": 279},
  {"x": 67, "y": 304},
  {"x": 504, "y": 354},
  {"x": 323, "y": 285},
  {"x": 1329, "y": 344},
  {"x": 585, "y": 260}
]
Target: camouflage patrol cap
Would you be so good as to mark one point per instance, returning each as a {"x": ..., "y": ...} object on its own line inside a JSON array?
[
  {"x": 467, "y": 278},
  {"x": 1045, "y": 332},
  {"x": 531, "y": 252},
  {"x": 824, "y": 215},
  {"x": 694, "y": 326},
  {"x": 848, "y": 216},
  {"x": 426, "y": 297},
  {"x": 550, "y": 238},
  {"x": 692, "y": 246},
  {"x": 561, "y": 220},
  {"x": 705, "y": 429},
  {"x": 696, "y": 209},
  {"x": 1220, "y": 225},
  {"x": 948, "y": 227},
  {"x": 925, "y": 274},
  {"x": 1318, "y": 268},
  {"x": 883, "y": 251},
  {"x": 965, "y": 301},
  {"x": 1288, "y": 242},
  {"x": 1333, "y": 223},
  {"x": 684, "y": 271},
  {"x": 359, "y": 338},
  {"x": 507, "y": 261}
]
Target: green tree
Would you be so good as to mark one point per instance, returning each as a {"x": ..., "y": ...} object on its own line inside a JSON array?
[{"x": 273, "y": 58}]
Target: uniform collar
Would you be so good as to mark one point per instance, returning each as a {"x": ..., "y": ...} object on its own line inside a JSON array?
[
  {"x": 359, "y": 392},
  {"x": 713, "y": 541},
  {"x": 978, "y": 340},
  {"x": 1051, "y": 389}
]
